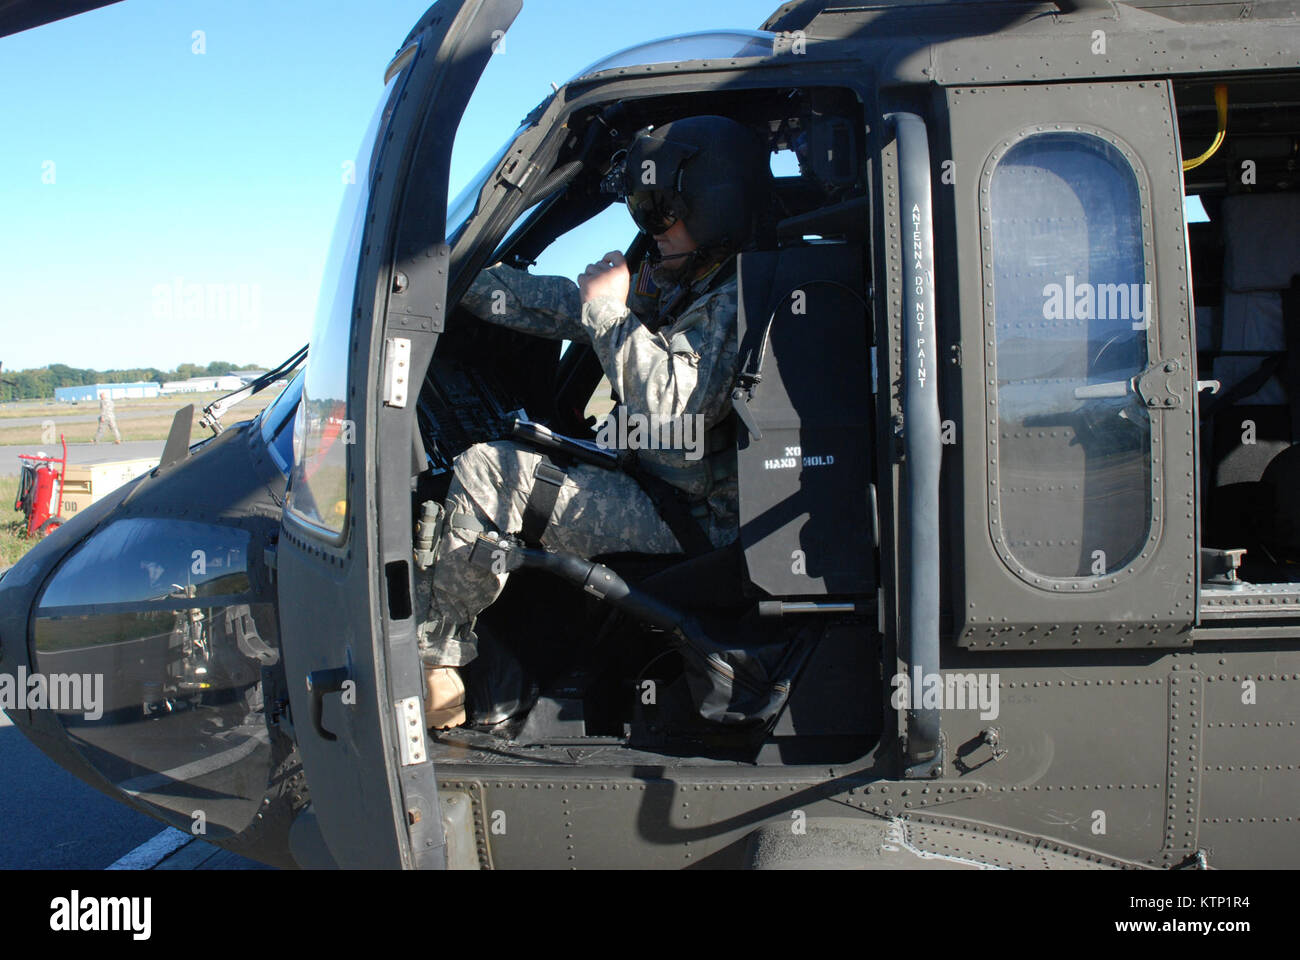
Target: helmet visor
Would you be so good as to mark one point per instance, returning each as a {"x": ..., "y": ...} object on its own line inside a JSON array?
[{"x": 654, "y": 211}]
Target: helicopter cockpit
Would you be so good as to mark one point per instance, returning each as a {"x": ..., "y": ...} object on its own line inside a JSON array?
[{"x": 778, "y": 647}]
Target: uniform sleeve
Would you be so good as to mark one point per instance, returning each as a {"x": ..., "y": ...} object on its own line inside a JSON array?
[
  {"x": 678, "y": 371},
  {"x": 543, "y": 306}
]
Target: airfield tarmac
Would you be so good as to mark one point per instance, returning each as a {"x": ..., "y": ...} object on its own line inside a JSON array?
[
  {"x": 51, "y": 820},
  {"x": 80, "y": 453}
]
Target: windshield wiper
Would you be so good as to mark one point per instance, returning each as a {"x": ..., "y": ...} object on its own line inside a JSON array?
[{"x": 215, "y": 410}]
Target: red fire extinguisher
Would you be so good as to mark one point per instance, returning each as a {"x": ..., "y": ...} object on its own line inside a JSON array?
[{"x": 40, "y": 491}]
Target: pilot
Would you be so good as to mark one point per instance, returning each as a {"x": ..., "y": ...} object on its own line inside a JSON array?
[{"x": 667, "y": 343}]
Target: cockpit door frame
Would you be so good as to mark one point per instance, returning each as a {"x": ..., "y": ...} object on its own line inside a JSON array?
[{"x": 347, "y": 611}]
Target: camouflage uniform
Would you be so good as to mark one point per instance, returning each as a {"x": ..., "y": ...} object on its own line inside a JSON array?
[
  {"x": 107, "y": 419},
  {"x": 661, "y": 360}
]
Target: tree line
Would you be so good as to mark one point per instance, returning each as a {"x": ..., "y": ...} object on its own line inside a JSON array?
[{"x": 40, "y": 384}]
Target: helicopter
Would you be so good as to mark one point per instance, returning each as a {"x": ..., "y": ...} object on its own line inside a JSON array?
[{"x": 1016, "y": 581}]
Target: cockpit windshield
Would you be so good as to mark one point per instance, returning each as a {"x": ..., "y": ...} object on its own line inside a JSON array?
[
  {"x": 462, "y": 208},
  {"x": 709, "y": 45}
]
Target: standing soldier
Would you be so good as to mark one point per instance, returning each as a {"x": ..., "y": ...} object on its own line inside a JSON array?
[
  {"x": 697, "y": 186},
  {"x": 106, "y": 418}
]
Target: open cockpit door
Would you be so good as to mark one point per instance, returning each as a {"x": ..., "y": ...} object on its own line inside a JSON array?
[
  {"x": 19, "y": 15},
  {"x": 346, "y": 609}
]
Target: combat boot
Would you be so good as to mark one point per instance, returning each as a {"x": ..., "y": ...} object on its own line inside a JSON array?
[
  {"x": 444, "y": 648},
  {"x": 444, "y": 698}
]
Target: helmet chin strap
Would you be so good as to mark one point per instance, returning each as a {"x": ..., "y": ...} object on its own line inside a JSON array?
[
  {"x": 693, "y": 258},
  {"x": 676, "y": 268},
  {"x": 677, "y": 279}
]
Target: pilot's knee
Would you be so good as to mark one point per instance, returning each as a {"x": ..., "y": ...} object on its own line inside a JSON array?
[
  {"x": 495, "y": 477},
  {"x": 472, "y": 459},
  {"x": 495, "y": 460}
]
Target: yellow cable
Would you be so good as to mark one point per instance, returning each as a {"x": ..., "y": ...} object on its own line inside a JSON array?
[{"x": 1221, "y": 104}]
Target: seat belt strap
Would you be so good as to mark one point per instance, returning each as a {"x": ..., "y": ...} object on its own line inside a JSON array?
[
  {"x": 547, "y": 481},
  {"x": 672, "y": 511}
]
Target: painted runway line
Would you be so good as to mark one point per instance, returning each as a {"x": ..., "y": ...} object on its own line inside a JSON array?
[{"x": 153, "y": 851}]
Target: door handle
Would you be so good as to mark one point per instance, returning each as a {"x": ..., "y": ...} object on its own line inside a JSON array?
[{"x": 319, "y": 683}]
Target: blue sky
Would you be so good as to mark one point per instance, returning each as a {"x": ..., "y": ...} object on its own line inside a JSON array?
[{"x": 134, "y": 166}]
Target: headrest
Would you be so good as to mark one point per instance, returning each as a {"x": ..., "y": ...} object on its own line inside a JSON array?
[{"x": 1261, "y": 232}]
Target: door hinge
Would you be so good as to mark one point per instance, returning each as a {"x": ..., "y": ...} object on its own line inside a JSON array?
[
  {"x": 397, "y": 370},
  {"x": 410, "y": 730}
]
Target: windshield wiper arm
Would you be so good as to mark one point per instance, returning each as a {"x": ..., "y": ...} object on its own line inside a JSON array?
[{"x": 215, "y": 410}]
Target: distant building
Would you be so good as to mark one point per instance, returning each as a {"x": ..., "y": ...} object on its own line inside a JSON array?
[
  {"x": 117, "y": 391},
  {"x": 203, "y": 384},
  {"x": 248, "y": 376}
]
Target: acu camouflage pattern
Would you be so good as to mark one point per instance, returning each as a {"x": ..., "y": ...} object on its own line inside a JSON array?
[
  {"x": 107, "y": 419},
  {"x": 659, "y": 365},
  {"x": 674, "y": 363}
]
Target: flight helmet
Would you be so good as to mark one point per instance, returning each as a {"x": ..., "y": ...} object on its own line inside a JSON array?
[{"x": 711, "y": 173}]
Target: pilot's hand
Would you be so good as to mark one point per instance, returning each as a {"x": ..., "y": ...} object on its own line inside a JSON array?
[{"x": 607, "y": 278}]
